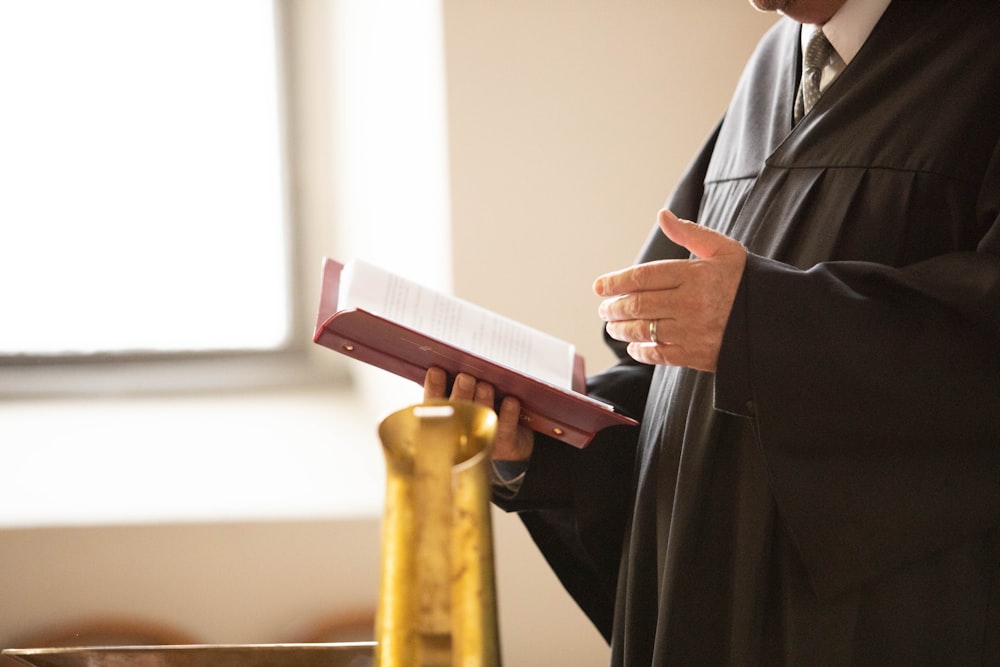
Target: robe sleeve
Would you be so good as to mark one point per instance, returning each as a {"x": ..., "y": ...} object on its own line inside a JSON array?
[{"x": 875, "y": 395}]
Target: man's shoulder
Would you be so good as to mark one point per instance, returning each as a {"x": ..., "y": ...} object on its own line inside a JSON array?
[
  {"x": 785, "y": 31},
  {"x": 777, "y": 46}
]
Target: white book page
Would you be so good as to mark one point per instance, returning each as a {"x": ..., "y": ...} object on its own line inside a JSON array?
[{"x": 457, "y": 322}]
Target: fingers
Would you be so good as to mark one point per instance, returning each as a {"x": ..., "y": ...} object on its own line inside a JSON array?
[
  {"x": 483, "y": 395},
  {"x": 701, "y": 241},
  {"x": 668, "y": 274},
  {"x": 640, "y": 305},
  {"x": 640, "y": 331},
  {"x": 435, "y": 384},
  {"x": 690, "y": 300},
  {"x": 466, "y": 388},
  {"x": 660, "y": 275},
  {"x": 513, "y": 442},
  {"x": 509, "y": 418}
]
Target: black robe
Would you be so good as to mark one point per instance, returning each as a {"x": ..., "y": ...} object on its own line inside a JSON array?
[{"x": 831, "y": 495}]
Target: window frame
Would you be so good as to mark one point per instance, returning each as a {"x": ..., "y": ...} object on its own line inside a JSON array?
[{"x": 304, "y": 81}]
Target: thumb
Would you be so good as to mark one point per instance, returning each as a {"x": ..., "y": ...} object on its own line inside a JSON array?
[{"x": 701, "y": 241}]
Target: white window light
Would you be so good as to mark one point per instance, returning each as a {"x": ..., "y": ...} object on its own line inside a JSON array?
[
  {"x": 142, "y": 205},
  {"x": 146, "y": 238},
  {"x": 312, "y": 447}
]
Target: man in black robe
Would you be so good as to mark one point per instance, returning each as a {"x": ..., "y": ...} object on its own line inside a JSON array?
[{"x": 816, "y": 368}]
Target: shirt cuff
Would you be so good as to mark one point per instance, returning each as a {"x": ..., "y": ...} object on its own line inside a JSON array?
[{"x": 508, "y": 476}]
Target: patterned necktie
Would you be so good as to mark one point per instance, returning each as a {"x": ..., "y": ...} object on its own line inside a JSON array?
[{"x": 816, "y": 56}]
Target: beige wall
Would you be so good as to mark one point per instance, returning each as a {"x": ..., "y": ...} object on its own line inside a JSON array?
[
  {"x": 260, "y": 583},
  {"x": 568, "y": 122}
]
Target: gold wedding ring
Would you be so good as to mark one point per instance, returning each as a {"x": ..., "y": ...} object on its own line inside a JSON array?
[{"x": 652, "y": 333}]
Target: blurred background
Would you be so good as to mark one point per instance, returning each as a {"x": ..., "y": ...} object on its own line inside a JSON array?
[{"x": 178, "y": 459}]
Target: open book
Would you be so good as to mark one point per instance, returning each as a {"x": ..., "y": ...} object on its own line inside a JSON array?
[{"x": 405, "y": 328}]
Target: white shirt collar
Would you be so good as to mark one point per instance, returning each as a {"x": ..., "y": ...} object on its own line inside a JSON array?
[{"x": 849, "y": 27}]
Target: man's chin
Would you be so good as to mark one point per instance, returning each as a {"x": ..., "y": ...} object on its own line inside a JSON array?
[{"x": 770, "y": 5}]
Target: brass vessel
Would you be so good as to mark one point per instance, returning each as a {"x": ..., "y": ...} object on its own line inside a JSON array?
[{"x": 437, "y": 601}]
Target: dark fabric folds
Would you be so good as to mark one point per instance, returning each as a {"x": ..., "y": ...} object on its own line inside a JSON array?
[{"x": 831, "y": 495}]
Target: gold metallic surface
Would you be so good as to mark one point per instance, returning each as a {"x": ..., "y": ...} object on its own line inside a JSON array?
[{"x": 437, "y": 601}]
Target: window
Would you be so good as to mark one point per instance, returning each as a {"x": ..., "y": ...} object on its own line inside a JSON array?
[
  {"x": 141, "y": 165},
  {"x": 108, "y": 443}
]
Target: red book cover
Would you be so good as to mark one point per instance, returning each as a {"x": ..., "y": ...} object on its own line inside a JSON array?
[{"x": 566, "y": 414}]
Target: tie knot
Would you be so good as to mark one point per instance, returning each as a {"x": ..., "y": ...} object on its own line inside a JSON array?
[
  {"x": 817, "y": 52},
  {"x": 817, "y": 55}
]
